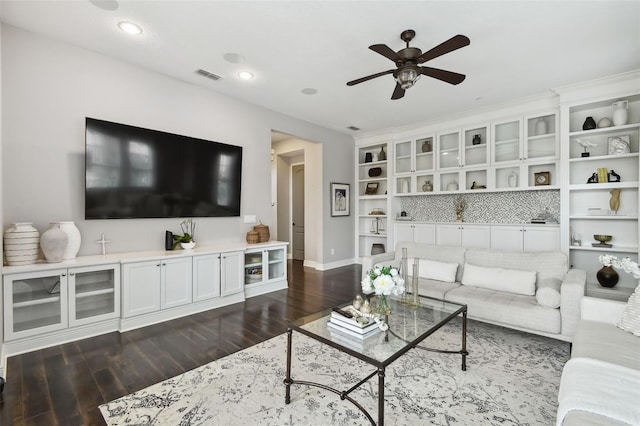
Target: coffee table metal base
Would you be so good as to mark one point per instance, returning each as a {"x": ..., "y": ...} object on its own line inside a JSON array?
[{"x": 344, "y": 395}]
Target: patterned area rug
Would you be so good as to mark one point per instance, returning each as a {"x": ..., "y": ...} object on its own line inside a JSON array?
[{"x": 512, "y": 378}]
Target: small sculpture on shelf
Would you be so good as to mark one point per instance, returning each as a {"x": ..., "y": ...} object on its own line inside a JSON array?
[
  {"x": 593, "y": 178},
  {"x": 613, "y": 176},
  {"x": 477, "y": 140},
  {"x": 589, "y": 124},
  {"x": 614, "y": 201},
  {"x": 585, "y": 144},
  {"x": 474, "y": 185}
]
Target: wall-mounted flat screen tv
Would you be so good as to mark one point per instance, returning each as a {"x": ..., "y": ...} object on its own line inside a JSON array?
[{"x": 131, "y": 172}]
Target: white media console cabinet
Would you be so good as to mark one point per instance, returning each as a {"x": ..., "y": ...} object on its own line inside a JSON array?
[{"x": 46, "y": 304}]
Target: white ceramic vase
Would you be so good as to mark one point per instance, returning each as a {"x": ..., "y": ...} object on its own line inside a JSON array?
[
  {"x": 21, "y": 244},
  {"x": 620, "y": 113},
  {"x": 54, "y": 242},
  {"x": 541, "y": 126},
  {"x": 73, "y": 234}
]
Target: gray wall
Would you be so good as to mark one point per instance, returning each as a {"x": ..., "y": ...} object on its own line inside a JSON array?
[{"x": 48, "y": 88}]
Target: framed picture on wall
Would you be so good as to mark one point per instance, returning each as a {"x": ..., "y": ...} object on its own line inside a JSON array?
[{"x": 340, "y": 199}]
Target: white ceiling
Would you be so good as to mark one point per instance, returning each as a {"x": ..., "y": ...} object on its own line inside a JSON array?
[{"x": 518, "y": 49}]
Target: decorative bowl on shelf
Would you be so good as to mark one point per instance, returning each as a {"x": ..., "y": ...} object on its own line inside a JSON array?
[{"x": 604, "y": 239}]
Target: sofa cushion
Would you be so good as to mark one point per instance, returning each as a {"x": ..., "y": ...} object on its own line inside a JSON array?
[
  {"x": 508, "y": 309},
  {"x": 548, "y": 292},
  {"x": 434, "y": 270},
  {"x": 606, "y": 342},
  {"x": 545, "y": 263},
  {"x": 510, "y": 280},
  {"x": 630, "y": 320},
  {"x": 433, "y": 288}
]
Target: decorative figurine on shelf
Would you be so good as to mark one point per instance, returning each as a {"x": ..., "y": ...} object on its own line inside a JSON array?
[
  {"x": 476, "y": 186},
  {"x": 613, "y": 176},
  {"x": 382, "y": 156},
  {"x": 593, "y": 178},
  {"x": 589, "y": 124},
  {"x": 614, "y": 201},
  {"x": 459, "y": 205},
  {"x": 585, "y": 144}
]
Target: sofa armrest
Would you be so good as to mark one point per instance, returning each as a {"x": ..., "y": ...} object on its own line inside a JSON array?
[
  {"x": 572, "y": 290},
  {"x": 368, "y": 262},
  {"x": 602, "y": 310}
]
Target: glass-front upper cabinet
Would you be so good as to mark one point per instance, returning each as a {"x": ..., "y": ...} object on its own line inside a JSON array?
[
  {"x": 424, "y": 155},
  {"x": 449, "y": 150},
  {"x": 414, "y": 156},
  {"x": 476, "y": 146},
  {"x": 507, "y": 145},
  {"x": 402, "y": 156},
  {"x": 541, "y": 141}
]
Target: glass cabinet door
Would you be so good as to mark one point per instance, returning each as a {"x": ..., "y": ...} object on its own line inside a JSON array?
[
  {"x": 449, "y": 150},
  {"x": 506, "y": 142},
  {"x": 253, "y": 267},
  {"x": 541, "y": 137},
  {"x": 424, "y": 155},
  {"x": 476, "y": 147},
  {"x": 403, "y": 157},
  {"x": 35, "y": 303},
  {"x": 94, "y": 294},
  {"x": 277, "y": 263}
]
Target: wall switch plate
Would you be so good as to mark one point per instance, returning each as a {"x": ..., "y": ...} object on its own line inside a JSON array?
[{"x": 250, "y": 218}]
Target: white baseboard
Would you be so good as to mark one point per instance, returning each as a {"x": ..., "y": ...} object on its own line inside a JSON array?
[{"x": 333, "y": 265}]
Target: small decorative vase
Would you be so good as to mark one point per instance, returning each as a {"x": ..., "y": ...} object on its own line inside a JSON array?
[
  {"x": 512, "y": 180},
  {"x": 428, "y": 186},
  {"x": 54, "y": 242},
  {"x": 382, "y": 156},
  {"x": 604, "y": 122},
  {"x": 21, "y": 244},
  {"x": 620, "y": 113},
  {"x": 405, "y": 186},
  {"x": 75, "y": 239},
  {"x": 426, "y": 146},
  {"x": 589, "y": 124},
  {"x": 541, "y": 126},
  {"x": 476, "y": 140},
  {"x": 607, "y": 276},
  {"x": 383, "y": 307}
]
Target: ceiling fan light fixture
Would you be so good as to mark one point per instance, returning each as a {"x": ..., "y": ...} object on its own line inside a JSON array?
[{"x": 407, "y": 77}]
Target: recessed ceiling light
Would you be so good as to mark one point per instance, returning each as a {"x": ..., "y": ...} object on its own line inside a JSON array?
[
  {"x": 130, "y": 28},
  {"x": 234, "y": 58},
  {"x": 105, "y": 4},
  {"x": 245, "y": 75},
  {"x": 309, "y": 91}
]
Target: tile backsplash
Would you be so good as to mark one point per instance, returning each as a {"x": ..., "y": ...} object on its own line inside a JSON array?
[{"x": 490, "y": 207}]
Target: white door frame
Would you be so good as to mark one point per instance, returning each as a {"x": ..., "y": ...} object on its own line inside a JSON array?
[{"x": 299, "y": 163}]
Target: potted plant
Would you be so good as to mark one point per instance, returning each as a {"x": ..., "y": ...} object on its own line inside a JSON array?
[{"x": 186, "y": 240}]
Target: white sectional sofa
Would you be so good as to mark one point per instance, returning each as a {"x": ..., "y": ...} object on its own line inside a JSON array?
[
  {"x": 601, "y": 382},
  {"x": 530, "y": 291}
]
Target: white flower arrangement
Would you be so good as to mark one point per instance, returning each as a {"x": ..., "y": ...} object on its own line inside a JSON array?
[
  {"x": 383, "y": 280},
  {"x": 626, "y": 264}
]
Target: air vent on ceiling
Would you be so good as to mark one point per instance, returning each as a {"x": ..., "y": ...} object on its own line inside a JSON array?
[
  {"x": 208, "y": 74},
  {"x": 354, "y": 128}
]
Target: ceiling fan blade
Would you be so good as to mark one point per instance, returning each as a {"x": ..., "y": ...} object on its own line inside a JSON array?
[
  {"x": 446, "y": 76},
  {"x": 454, "y": 43},
  {"x": 385, "y": 51},
  {"x": 398, "y": 92},
  {"x": 369, "y": 77}
]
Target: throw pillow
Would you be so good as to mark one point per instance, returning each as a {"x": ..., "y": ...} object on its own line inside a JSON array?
[
  {"x": 434, "y": 270},
  {"x": 630, "y": 321},
  {"x": 548, "y": 292},
  {"x": 509, "y": 280}
]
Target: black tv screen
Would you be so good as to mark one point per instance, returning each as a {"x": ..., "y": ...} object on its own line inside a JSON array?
[{"x": 131, "y": 172}]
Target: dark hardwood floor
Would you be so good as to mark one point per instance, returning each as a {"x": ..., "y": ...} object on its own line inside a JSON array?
[{"x": 63, "y": 385}]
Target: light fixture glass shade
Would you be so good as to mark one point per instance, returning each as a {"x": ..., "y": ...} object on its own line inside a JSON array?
[{"x": 407, "y": 77}]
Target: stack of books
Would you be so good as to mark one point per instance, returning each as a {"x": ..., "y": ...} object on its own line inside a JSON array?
[{"x": 351, "y": 327}]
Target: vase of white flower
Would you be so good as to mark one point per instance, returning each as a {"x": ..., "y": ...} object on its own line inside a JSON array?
[
  {"x": 383, "y": 281},
  {"x": 608, "y": 277}
]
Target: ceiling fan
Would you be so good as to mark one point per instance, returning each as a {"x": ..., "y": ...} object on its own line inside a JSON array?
[{"x": 407, "y": 61}]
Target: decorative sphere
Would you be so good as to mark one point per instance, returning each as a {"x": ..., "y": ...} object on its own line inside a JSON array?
[{"x": 604, "y": 122}]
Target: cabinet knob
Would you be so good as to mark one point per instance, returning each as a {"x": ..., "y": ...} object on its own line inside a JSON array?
[
  {"x": 63, "y": 274},
  {"x": 72, "y": 273},
  {"x": 164, "y": 264},
  {"x": 158, "y": 264}
]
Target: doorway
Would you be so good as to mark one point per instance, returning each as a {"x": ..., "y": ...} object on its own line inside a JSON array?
[{"x": 297, "y": 211}]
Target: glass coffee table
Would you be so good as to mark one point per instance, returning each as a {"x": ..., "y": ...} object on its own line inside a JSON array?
[{"x": 408, "y": 327}]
